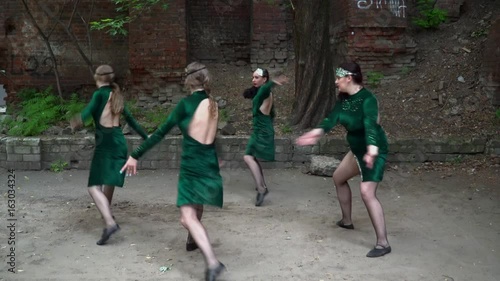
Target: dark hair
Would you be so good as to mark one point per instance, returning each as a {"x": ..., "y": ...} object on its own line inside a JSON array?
[
  {"x": 265, "y": 73},
  {"x": 357, "y": 76},
  {"x": 252, "y": 91}
]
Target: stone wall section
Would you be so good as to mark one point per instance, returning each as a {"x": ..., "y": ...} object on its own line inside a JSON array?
[{"x": 41, "y": 153}]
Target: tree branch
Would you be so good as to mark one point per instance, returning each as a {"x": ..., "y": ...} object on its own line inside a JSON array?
[
  {"x": 74, "y": 40},
  {"x": 47, "y": 43}
]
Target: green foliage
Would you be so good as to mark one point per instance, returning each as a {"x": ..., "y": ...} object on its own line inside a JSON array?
[
  {"x": 223, "y": 115},
  {"x": 286, "y": 129},
  {"x": 482, "y": 32},
  {"x": 39, "y": 110},
  {"x": 498, "y": 113},
  {"x": 429, "y": 17},
  {"x": 58, "y": 166},
  {"x": 154, "y": 118},
  {"x": 405, "y": 70},
  {"x": 373, "y": 78},
  {"x": 129, "y": 11},
  {"x": 457, "y": 160}
]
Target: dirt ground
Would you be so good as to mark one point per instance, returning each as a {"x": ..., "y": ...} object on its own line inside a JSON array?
[{"x": 441, "y": 227}]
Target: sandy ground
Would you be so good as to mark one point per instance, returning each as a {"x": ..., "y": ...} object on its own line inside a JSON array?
[{"x": 439, "y": 228}]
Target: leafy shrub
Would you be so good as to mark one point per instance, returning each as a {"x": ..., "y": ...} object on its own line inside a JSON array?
[
  {"x": 39, "y": 110},
  {"x": 429, "y": 17},
  {"x": 58, "y": 166},
  {"x": 374, "y": 78}
]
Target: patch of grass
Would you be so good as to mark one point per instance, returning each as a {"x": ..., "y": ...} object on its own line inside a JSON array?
[
  {"x": 58, "y": 166},
  {"x": 457, "y": 160},
  {"x": 482, "y": 32},
  {"x": 223, "y": 115},
  {"x": 373, "y": 78},
  {"x": 405, "y": 70},
  {"x": 286, "y": 129},
  {"x": 154, "y": 118}
]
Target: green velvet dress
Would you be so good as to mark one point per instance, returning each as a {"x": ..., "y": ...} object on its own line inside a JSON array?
[
  {"x": 200, "y": 182},
  {"x": 359, "y": 115},
  {"x": 110, "y": 152},
  {"x": 261, "y": 142}
]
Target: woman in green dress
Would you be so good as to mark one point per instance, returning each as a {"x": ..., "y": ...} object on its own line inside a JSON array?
[
  {"x": 261, "y": 142},
  {"x": 200, "y": 182},
  {"x": 357, "y": 110},
  {"x": 110, "y": 152}
]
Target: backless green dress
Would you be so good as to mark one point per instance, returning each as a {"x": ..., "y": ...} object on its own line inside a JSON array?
[
  {"x": 110, "y": 152},
  {"x": 358, "y": 113},
  {"x": 200, "y": 182},
  {"x": 261, "y": 142}
]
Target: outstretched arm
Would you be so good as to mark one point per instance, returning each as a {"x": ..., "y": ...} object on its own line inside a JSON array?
[
  {"x": 172, "y": 120},
  {"x": 133, "y": 123}
]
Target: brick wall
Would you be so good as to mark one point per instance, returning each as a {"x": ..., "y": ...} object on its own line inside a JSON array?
[
  {"x": 219, "y": 30},
  {"x": 270, "y": 39},
  {"x": 453, "y": 7},
  {"x": 158, "y": 54},
  {"x": 373, "y": 34},
  {"x": 490, "y": 72},
  {"x": 27, "y": 60}
]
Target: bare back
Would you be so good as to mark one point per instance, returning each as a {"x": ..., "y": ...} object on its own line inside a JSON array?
[
  {"x": 107, "y": 119},
  {"x": 267, "y": 105},
  {"x": 202, "y": 127}
]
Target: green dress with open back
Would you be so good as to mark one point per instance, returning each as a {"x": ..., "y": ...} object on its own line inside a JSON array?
[
  {"x": 358, "y": 113},
  {"x": 110, "y": 152},
  {"x": 200, "y": 182},
  {"x": 261, "y": 142}
]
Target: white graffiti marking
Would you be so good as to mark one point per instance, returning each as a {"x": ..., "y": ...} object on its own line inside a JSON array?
[{"x": 397, "y": 7}]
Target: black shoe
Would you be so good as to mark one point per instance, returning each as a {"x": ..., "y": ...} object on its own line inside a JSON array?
[
  {"x": 212, "y": 274},
  {"x": 190, "y": 244},
  {"x": 378, "y": 252},
  {"x": 106, "y": 234},
  {"x": 346, "y": 226},
  {"x": 260, "y": 198}
]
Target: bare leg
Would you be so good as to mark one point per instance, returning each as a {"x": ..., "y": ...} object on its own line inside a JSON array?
[
  {"x": 199, "y": 215},
  {"x": 108, "y": 191},
  {"x": 256, "y": 169},
  {"x": 190, "y": 221},
  {"x": 368, "y": 193},
  {"x": 102, "y": 204},
  {"x": 347, "y": 169}
]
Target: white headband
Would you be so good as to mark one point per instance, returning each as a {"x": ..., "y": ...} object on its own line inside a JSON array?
[{"x": 259, "y": 71}]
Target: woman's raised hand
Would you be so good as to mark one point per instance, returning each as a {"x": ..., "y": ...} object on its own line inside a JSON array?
[{"x": 280, "y": 80}]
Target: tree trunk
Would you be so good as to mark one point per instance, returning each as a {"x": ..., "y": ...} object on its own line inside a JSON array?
[{"x": 314, "y": 69}]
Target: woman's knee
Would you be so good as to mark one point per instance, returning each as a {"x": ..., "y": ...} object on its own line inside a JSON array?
[
  {"x": 187, "y": 216},
  {"x": 248, "y": 158},
  {"x": 338, "y": 179},
  {"x": 367, "y": 192}
]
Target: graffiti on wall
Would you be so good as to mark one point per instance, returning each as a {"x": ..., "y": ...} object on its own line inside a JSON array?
[
  {"x": 397, "y": 7},
  {"x": 35, "y": 65}
]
